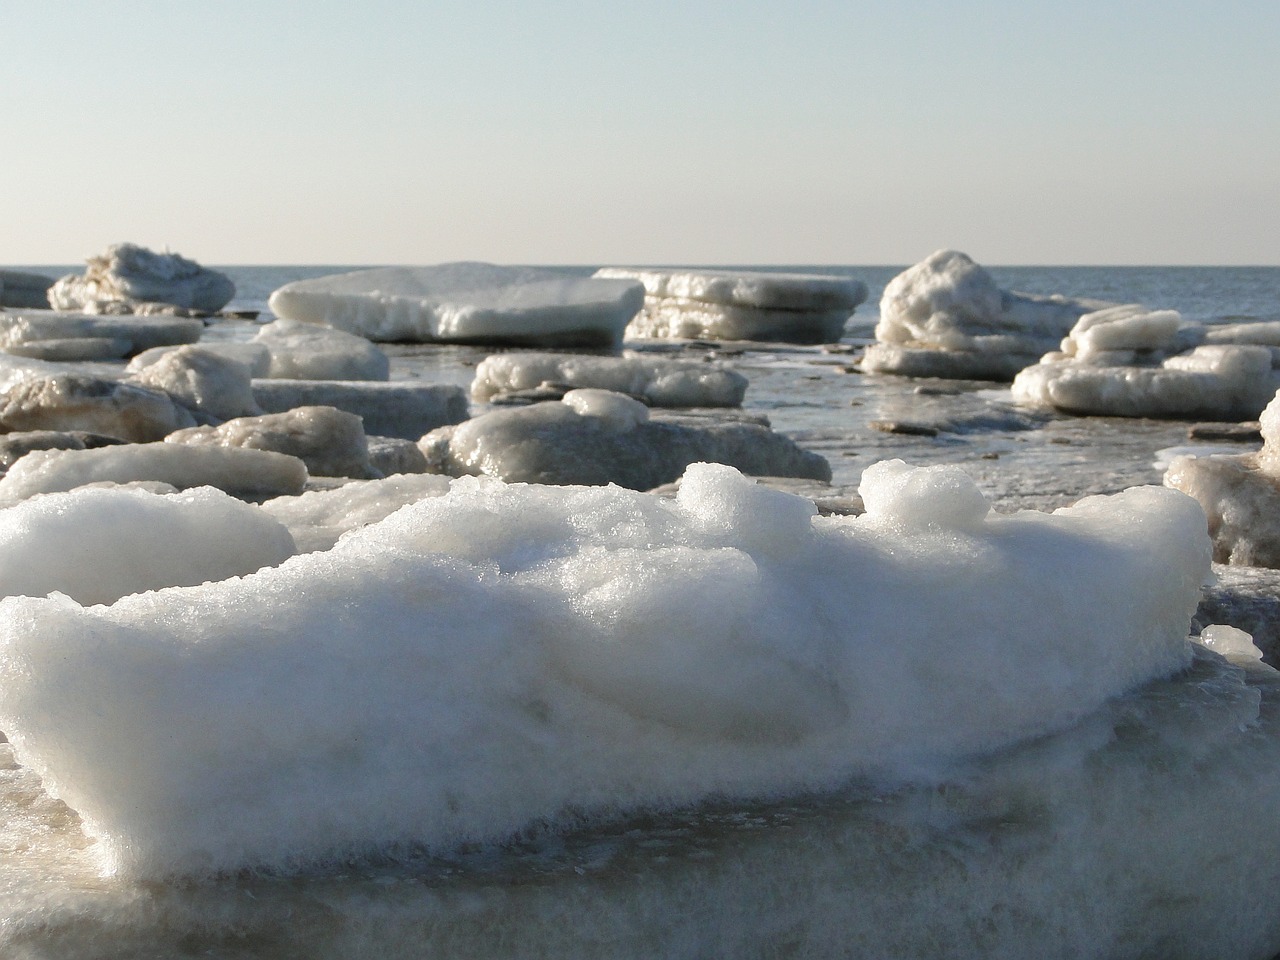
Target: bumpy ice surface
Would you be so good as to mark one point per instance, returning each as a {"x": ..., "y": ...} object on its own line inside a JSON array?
[{"x": 504, "y": 655}]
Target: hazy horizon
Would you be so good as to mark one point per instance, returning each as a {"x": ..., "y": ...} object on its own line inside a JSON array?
[{"x": 702, "y": 133}]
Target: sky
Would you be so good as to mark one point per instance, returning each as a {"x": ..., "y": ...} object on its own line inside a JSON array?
[{"x": 647, "y": 132}]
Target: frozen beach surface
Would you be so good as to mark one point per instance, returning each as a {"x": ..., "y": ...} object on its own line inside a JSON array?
[
  {"x": 1128, "y": 361},
  {"x": 308, "y": 351},
  {"x": 19, "y": 288},
  {"x": 465, "y": 303},
  {"x": 329, "y": 441},
  {"x": 543, "y": 652},
  {"x": 598, "y": 437},
  {"x": 741, "y": 305},
  {"x": 28, "y": 328},
  {"x": 236, "y": 470},
  {"x": 406, "y": 410},
  {"x": 946, "y": 317},
  {"x": 128, "y": 278},
  {"x": 658, "y": 381},
  {"x": 97, "y": 545},
  {"x": 1240, "y": 495}
]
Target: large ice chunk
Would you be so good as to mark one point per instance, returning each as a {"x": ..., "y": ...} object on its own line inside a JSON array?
[
  {"x": 204, "y": 381},
  {"x": 946, "y": 317},
  {"x": 741, "y": 304},
  {"x": 307, "y": 351},
  {"x": 97, "y": 545},
  {"x": 506, "y": 655},
  {"x": 598, "y": 437},
  {"x": 72, "y": 401},
  {"x": 659, "y": 382},
  {"x": 466, "y": 303},
  {"x": 128, "y": 278}
]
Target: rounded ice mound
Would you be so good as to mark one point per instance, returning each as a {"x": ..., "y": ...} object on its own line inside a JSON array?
[
  {"x": 720, "y": 500},
  {"x": 98, "y": 545},
  {"x": 618, "y": 411},
  {"x": 915, "y": 497}
]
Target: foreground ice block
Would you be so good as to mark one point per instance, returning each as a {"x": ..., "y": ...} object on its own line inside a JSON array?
[
  {"x": 128, "y": 278},
  {"x": 465, "y": 303},
  {"x": 658, "y": 381},
  {"x": 741, "y": 304},
  {"x": 506, "y": 657},
  {"x": 946, "y": 317}
]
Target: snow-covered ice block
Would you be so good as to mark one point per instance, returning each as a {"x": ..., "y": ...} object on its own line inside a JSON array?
[
  {"x": 72, "y": 401},
  {"x": 946, "y": 317},
  {"x": 465, "y": 303},
  {"x": 19, "y": 288},
  {"x": 96, "y": 546},
  {"x": 402, "y": 409},
  {"x": 329, "y": 441},
  {"x": 659, "y": 382},
  {"x": 307, "y": 351},
  {"x": 599, "y": 437},
  {"x": 204, "y": 381},
  {"x": 238, "y": 471},
  {"x": 128, "y": 277},
  {"x": 317, "y": 518},
  {"x": 253, "y": 355},
  {"x": 143, "y": 333},
  {"x": 747, "y": 288},
  {"x": 1240, "y": 495},
  {"x": 633, "y": 651}
]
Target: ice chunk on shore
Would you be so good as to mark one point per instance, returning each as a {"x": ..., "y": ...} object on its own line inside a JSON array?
[
  {"x": 946, "y": 317},
  {"x": 142, "y": 333},
  {"x": 588, "y": 438},
  {"x": 1240, "y": 496},
  {"x": 128, "y": 278},
  {"x": 203, "y": 381},
  {"x": 741, "y": 304},
  {"x": 657, "y": 381},
  {"x": 465, "y": 303},
  {"x": 71, "y": 401},
  {"x": 307, "y": 351},
  {"x": 629, "y": 651},
  {"x": 238, "y": 471},
  {"x": 96, "y": 546}
]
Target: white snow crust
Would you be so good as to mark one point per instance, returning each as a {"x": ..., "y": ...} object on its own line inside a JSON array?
[
  {"x": 465, "y": 302},
  {"x": 506, "y": 655}
]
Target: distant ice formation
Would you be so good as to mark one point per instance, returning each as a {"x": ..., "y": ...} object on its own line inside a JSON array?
[
  {"x": 657, "y": 381},
  {"x": 507, "y": 655},
  {"x": 128, "y": 278},
  {"x": 741, "y": 305},
  {"x": 599, "y": 437},
  {"x": 21, "y": 289},
  {"x": 945, "y": 317},
  {"x": 1240, "y": 496},
  {"x": 465, "y": 303},
  {"x": 1129, "y": 361}
]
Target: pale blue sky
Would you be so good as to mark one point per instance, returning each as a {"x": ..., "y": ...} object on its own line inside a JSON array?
[{"x": 806, "y": 131}]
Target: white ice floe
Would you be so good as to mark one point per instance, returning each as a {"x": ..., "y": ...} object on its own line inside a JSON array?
[
  {"x": 598, "y": 436},
  {"x": 71, "y": 401},
  {"x": 1129, "y": 361},
  {"x": 239, "y": 471},
  {"x": 509, "y": 655},
  {"x": 28, "y": 327},
  {"x": 98, "y": 545},
  {"x": 741, "y": 304},
  {"x": 465, "y": 302},
  {"x": 659, "y": 382},
  {"x": 403, "y": 409},
  {"x": 1240, "y": 495},
  {"x": 307, "y": 351},
  {"x": 329, "y": 441},
  {"x": 128, "y": 278},
  {"x": 946, "y": 317}
]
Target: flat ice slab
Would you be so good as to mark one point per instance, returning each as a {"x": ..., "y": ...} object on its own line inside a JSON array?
[
  {"x": 403, "y": 409},
  {"x": 142, "y": 333},
  {"x": 741, "y": 305},
  {"x": 465, "y": 303},
  {"x": 21, "y": 289}
]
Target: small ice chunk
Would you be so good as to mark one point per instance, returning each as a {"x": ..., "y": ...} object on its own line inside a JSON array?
[
  {"x": 307, "y": 351},
  {"x": 97, "y": 545},
  {"x": 465, "y": 303},
  {"x": 618, "y": 411},
  {"x": 912, "y": 498},
  {"x": 252, "y": 355},
  {"x": 202, "y": 380},
  {"x": 1231, "y": 642},
  {"x": 70, "y": 401}
]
